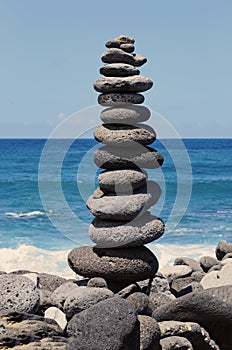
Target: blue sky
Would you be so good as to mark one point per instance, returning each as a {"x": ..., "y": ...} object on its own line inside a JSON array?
[{"x": 50, "y": 56}]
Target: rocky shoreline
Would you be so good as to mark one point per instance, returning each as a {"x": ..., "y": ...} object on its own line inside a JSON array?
[{"x": 184, "y": 306}]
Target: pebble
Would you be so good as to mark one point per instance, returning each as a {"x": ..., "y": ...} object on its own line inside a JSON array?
[
  {"x": 120, "y": 265},
  {"x": 115, "y": 158},
  {"x": 61, "y": 293},
  {"x": 143, "y": 230},
  {"x": 132, "y": 84},
  {"x": 118, "y": 70},
  {"x": 127, "y": 47},
  {"x": 112, "y": 99},
  {"x": 207, "y": 262},
  {"x": 97, "y": 282},
  {"x": 116, "y": 55},
  {"x": 120, "y": 40},
  {"x": 222, "y": 249},
  {"x": 57, "y": 315},
  {"x": 50, "y": 282},
  {"x": 194, "y": 264},
  {"x": 125, "y": 115},
  {"x": 174, "y": 342},
  {"x": 149, "y": 333},
  {"x": 140, "y": 301},
  {"x": 124, "y": 134},
  {"x": 18, "y": 294},
  {"x": 110, "y": 324},
  {"x": 176, "y": 271},
  {"x": 218, "y": 278}
]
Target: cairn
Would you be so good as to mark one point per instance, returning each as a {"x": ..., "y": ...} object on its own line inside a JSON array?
[{"x": 122, "y": 223}]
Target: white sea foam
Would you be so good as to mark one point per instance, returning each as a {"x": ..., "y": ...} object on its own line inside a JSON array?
[
  {"x": 30, "y": 214},
  {"x": 55, "y": 262}
]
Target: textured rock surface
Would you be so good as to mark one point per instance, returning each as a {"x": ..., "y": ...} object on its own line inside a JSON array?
[
  {"x": 97, "y": 282},
  {"x": 57, "y": 315},
  {"x": 121, "y": 265},
  {"x": 142, "y": 230},
  {"x": 140, "y": 301},
  {"x": 192, "y": 263},
  {"x": 50, "y": 282},
  {"x": 176, "y": 271},
  {"x": 149, "y": 333},
  {"x": 111, "y": 99},
  {"x": 116, "y": 55},
  {"x": 222, "y": 249},
  {"x": 118, "y": 70},
  {"x": 218, "y": 278},
  {"x": 120, "y": 40},
  {"x": 133, "y": 84},
  {"x": 18, "y": 294},
  {"x": 89, "y": 329},
  {"x": 53, "y": 343},
  {"x": 175, "y": 342},
  {"x": 122, "y": 181},
  {"x": 112, "y": 158},
  {"x": 128, "y": 114},
  {"x": 61, "y": 293},
  {"x": 124, "y": 134},
  {"x": 207, "y": 262}
]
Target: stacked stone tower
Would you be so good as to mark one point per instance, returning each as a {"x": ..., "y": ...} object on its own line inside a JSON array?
[{"x": 122, "y": 223}]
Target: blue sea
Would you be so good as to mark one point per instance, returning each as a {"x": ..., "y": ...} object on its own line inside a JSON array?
[{"x": 44, "y": 187}]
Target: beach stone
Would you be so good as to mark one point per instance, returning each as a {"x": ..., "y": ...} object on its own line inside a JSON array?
[
  {"x": 139, "y": 60},
  {"x": 61, "y": 293},
  {"x": 127, "y": 114},
  {"x": 84, "y": 297},
  {"x": 112, "y": 99},
  {"x": 122, "y": 181},
  {"x": 89, "y": 329},
  {"x": 97, "y": 282},
  {"x": 57, "y": 315},
  {"x": 197, "y": 335},
  {"x": 50, "y": 282},
  {"x": 174, "y": 342},
  {"x": 120, "y": 265},
  {"x": 125, "y": 292},
  {"x": 159, "y": 299},
  {"x": 116, "y": 55},
  {"x": 115, "y": 158},
  {"x": 192, "y": 287},
  {"x": 207, "y": 262},
  {"x": 18, "y": 294},
  {"x": 205, "y": 308},
  {"x": 45, "y": 301},
  {"x": 198, "y": 275},
  {"x": 133, "y": 84},
  {"x": 223, "y": 293},
  {"x": 218, "y": 278},
  {"x": 127, "y": 47},
  {"x": 192, "y": 263},
  {"x": 227, "y": 256},
  {"x": 118, "y": 70},
  {"x": 142, "y": 230},
  {"x": 149, "y": 333},
  {"x": 112, "y": 134},
  {"x": 140, "y": 301},
  {"x": 176, "y": 271},
  {"x": 222, "y": 249},
  {"x": 120, "y": 40},
  {"x": 53, "y": 343},
  {"x": 215, "y": 268}
]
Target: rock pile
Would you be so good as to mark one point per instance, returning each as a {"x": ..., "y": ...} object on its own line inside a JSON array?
[{"x": 122, "y": 223}]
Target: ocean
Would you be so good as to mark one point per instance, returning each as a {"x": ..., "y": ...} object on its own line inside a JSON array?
[{"x": 44, "y": 187}]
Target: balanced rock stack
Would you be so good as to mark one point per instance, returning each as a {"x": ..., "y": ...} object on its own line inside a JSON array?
[{"x": 122, "y": 223}]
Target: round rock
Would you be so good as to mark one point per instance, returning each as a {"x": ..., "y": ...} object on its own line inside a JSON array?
[
  {"x": 127, "y": 47},
  {"x": 124, "y": 134},
  {"x": 118, "y": 70},
  {"x": 18, "y": 294},
  {"x": 115, "y": 158},
  {"x": 125, "y": 115},
  {"x": 143, "y": 230},
  {"x": 222, "y": 249},
  {"x": 122, "y": 181},
  {"x": 149, "y": 333},
  {"x": 121, "y": 265},
  {"x": 120, "y": 40},
  {"x": 123, "y": 84},
  {"x": 112, "y": 99}
]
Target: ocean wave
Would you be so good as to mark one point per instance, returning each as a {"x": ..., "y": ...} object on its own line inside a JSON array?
[{"x": 30, "y": 214}]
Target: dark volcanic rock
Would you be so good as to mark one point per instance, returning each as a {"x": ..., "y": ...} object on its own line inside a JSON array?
[
  {"x": 115, "y": 158},
  {"x": 140, "y": 301},
  {"x": 194, "y": 264},
  {"x": 97, "y": 282},
  {"x": 133, "y": 84},
  {"x": 18, "y": 294},
  {"x": 114, "y": 99},
  {"x": 89, "y": 329},
  {"x": 117, "y": 264},
  {"x": 118, "y": 70},
  {"x": 222, "y": 249},
  {"x": 207, "y": 262},
  {"x": 127, "y": 47},
  {"x": 149, "y": 333},
  {"x": 127, "y": 114},
  {"x": 175, "y": 342},
  {"x": 120, "y": 40},
  {"x": 116, "y": 55},
  {"x": 50, "y": 282},
  {"x": 51, "y": 343}
]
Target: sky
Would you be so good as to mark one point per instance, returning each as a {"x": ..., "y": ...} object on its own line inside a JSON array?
[{"x": 51, "y": 49}]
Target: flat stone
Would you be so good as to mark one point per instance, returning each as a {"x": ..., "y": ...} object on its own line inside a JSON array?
[
  {"x": 149, "y": 333},
  {"x": 143, "y": 230},
  {"x": 194, "y": 264},
  {"x": 128, "y": 114},
  {"x": 111, "y": 206},
  {"x": 132, "y": 84},
  {"x": 115, "y": 158},
  {"x": 127, "y": 47},
  {"x": 222, "y": 249},
  {"x": 110, "y": 324},
  {"x": 120, "y": 265},
  {"x": 118, "y": 70},
  {"x": 207, "y": 262},
  {"x": 176, "y": 271},
  {"x": 175, "y": 342},
  {"x": 116, "y": 55},
  {"x": 122, "y": 181},
  {"x": 83, "y": 298},
  {"x": 120, "y": 40},
  {"x": 18, "y": 294},
  {"x": 197, "y": 335},
  {"x": 218, "y": 278},
  {"x": 112, "y": 134},
  {"x": 114, "y": 99}
]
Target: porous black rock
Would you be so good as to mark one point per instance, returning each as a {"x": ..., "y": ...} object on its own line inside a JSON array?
[
  {"x": 116, "y": 98},
  {"x": 134, "y": 84},
  {"x": 118, "y": 70}
]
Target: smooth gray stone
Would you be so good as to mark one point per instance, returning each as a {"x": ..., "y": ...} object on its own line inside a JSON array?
[
  {"x": 57, "y": 315},
  {"x": 18, "y": 294},
  {"x": 115, "y": 158},
  {"x": 218, "y": 278},
  {"x": 122, "y": 181},
  {"x": 61, "y": 293},
  {"x": 122, "y": 135},
  {"x": 114, "y": 264},
  {"x": 132, "y": 84},
  {"x": 118, "y": 70},
  {"x": 197, "y": 335},
  {"x": 222, "y": 249},
  {"x": 114, "y": 99},
  {"x": 126, "y": 114},
  {"x": 143, "y": 230},
  {"x": 111, "y": 324},
  {"x": 120, "y": 40},
  {"x": 176, "y": 271},
  {"x": 174, "y": 342},
  {"x": 111, "y": 206},
  {"x": 149, "y": 333},
  {"x": 50, "y": 282},
  {"x": 207, "y": 262},
  {"x": 183, "y": 260},
  {"x": 84, "y": 297}
]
